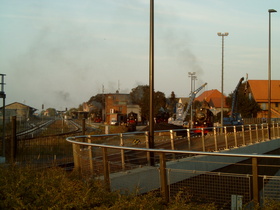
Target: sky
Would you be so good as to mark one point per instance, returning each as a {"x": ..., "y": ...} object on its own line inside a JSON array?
[{"x": 61, "y": 52}]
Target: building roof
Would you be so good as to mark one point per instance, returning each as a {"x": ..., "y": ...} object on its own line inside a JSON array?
[
  {"x": 259, "y": 89},
  {"x": 213, "y": 97},
  {"x": 19, "y": 104},
  {"x": 184, "y": 100}
]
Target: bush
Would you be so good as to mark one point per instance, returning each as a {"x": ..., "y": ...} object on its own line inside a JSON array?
[
  {"x": 23, "y": 188},
  {"x": 26, "y": 188}
]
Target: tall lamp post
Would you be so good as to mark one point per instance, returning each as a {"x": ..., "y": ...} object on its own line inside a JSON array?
[
  {"x": 193, "y": 77},
  {"x": 269, "y": 73},
  {"x": 151, "y": 83},
  {"x": 222, "y": 82},
  {"x": 3, "y": 95}
]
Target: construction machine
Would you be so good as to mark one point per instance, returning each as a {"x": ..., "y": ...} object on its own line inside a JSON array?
[
  {"x": 234, "y": 118},
  {"x": 180, "y": 113}
]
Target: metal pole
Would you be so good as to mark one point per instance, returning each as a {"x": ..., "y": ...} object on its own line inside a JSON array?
[
  {"x": 251, "y": 138},
  {"x": 257, "y": 133},
  {"x": 226, "y": 138},
  {"x": 192, "y": 76},
  {"x": 189, "y": 139},
  {"x": 269, "y": 72},
  {"x": 203, "y": 139},
  {"x": 243, "y": 135},
  {"x": 13, "y": 144},
  {"x": 172, "y": 143},
  {"x": 163, "y": 178},
  {"x": 90, "y": 157},
  {"x": 147, "y": 146},
  {"x": 222, "y": 82},
  {"x": 255, "y": 181},
  {"x": 151, "y": 81},
  {"x": 3, "y": 95},
  {"x": 215, "y": 139},
  {"x": 235, "y": 137},
  {"x": 106, "y": 171},
  {"x": 122, "y": 151},
  {"x": 263, "y": 133}
]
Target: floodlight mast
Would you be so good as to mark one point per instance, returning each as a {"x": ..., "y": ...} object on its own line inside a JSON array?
[
  {"x": 269, "y": 73},
  {"x": 222, "y": 79}
]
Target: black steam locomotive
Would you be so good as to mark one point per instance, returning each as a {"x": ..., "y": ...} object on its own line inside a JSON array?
[
  {"x": 131, "y": 121},
  {"x": 203, "y": 118}
]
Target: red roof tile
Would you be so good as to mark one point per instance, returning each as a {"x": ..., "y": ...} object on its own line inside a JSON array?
[
  {"x": 213, "y": 97},
  {"x": 259, "y": 90}
]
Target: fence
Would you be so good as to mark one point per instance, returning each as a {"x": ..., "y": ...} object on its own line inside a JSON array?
[
  {"x": 39, "y": 143},
  {"x": 213, "y": 187},
  {"x": 120, "y": 152}
]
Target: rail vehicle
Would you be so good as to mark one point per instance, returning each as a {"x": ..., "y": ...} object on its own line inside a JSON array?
[
  {"x": 97, "y": 120},
  {"x": 203, "y": 118},
  {"x": 162, "y": 117},
  {"x": 131, "y": 121}
]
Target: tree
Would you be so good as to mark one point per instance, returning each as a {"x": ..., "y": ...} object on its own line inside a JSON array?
[
  {"x": 70, "y": 111},
  {"x": 244, "y": 105},
  {"x": 96, "y": 103},
  {"x": 80, "y": 108},
  {"x": 140, "y": 95},
  {"x": 160, "y": 101},
  {"x": 97, "y": 98},
  {"x": 172, "y": 101},
  {"x": 51, "y": 112}
]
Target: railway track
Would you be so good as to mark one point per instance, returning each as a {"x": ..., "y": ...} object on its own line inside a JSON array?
[{"x": 38, "y": 130}]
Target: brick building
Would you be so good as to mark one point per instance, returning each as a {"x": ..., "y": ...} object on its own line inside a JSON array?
[{"x": 117, "y": 106}]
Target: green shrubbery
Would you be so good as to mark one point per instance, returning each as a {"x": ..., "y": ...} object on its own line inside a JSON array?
[{"x": 26, "y": 188}]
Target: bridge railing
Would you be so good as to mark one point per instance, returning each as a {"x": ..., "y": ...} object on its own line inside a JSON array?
[
  {"x": 105, "y": 154},
  {"x": 217, "y": 139}
]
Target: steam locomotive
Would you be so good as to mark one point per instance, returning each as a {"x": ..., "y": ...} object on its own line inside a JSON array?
[
  {"x": 131, "y": 121},
  {"x": 203, "y": 118}
]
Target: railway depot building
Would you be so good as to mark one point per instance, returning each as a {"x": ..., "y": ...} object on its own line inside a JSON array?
[
  {"x": 258, "y": 90},
  {"x": 117, "y": 106},
  {"x": 21, "y": 111}
]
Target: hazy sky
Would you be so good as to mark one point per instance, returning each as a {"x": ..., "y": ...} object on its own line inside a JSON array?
[{"x": 61, "y": 52}]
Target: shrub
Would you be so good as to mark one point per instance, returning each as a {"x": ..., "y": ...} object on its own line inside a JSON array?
[{"x": 54, "y": 188}]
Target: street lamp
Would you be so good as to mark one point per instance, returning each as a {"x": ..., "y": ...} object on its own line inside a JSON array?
[
  {"x": 3, "y": 95},
  {"x": 222, "y": 85},
  {"x": 269, "y": 72},
  {"x": 193, "y": 78},
  {"x": 151, "y": 84}
]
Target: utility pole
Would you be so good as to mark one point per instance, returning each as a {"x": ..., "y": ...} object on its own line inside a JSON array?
[
  {"x": 193, "y": 78},
  {"x": 269, "y": 73},
  {"x": 222, "y": 79},
  {"x": 151, "y": 82},
  {"x": 3, "y": 95}
]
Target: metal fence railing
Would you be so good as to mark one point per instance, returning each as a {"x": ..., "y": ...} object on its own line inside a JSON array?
[
  {"x": 213, "y": 187},
  {"x": 38, "y": 143},
  {"x": 271, "y": 189},
  {"x": 103, "y": 158}
]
